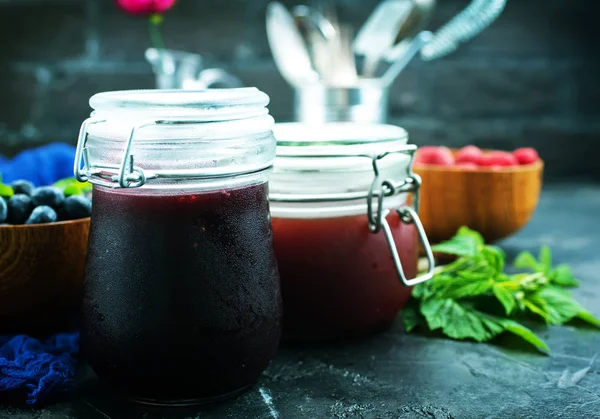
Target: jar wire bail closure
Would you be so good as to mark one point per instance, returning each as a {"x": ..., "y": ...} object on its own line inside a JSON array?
[{"x": 408, "y": 214}]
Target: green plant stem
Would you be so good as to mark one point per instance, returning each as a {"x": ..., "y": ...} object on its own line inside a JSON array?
[{"x": 154, "y": 22}]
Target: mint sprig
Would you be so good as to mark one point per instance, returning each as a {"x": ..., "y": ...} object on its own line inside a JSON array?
[
  {"x": 71, "y": 186},
  {"x": 474, "y": 298},
  {"x": 6, "y": 191}
]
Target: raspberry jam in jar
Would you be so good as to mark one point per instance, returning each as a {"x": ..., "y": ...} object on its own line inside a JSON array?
[
  {"x": 182, "y": 302},
  {"x": 344, "y": 206}
]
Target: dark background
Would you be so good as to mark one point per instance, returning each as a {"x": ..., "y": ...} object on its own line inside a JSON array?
[{"x": 531, "y": 79}]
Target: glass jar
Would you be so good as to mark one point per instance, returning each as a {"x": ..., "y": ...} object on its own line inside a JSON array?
[
  {"x": 182, "y": 301},
  {"x": 344, "y": 204}
]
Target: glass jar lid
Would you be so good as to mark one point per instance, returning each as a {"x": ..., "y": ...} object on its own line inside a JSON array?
[
  {"x": 207, "y": 105},
  {"x": 337, "y": 138},
  {"x": 336, "y": 159},
  {"x": 139, "y": 136}
]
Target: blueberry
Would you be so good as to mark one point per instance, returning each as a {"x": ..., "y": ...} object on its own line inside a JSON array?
[
  {"x": 19, "y": 208},
  {"x": 42, "y": 214},
  {"x": 48, "y": 195},
  {"x": 3, "y": 210},
  {"x": 61, "y": 213},
  {"x": 77, "y": 206},
  {"x": 23, "y": 186}
]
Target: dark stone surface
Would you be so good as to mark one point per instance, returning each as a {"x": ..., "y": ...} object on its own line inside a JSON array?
[{"x": 395, "y": 375}]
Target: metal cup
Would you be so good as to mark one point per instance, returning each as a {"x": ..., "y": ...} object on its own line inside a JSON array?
[
  {"x": 365, "y": 102},
  {"x": 183, "y": 70}
]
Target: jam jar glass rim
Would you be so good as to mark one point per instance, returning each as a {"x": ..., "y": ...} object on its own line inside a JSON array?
[
  {"x": 134, "y": 137},
  {"x": 210, "y": 104},
  {"x": 296, "y": 139},
  {"x": 316, "y": 161}
]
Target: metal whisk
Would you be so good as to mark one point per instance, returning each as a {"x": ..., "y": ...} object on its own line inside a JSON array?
[{"x": 463, "y": 27}]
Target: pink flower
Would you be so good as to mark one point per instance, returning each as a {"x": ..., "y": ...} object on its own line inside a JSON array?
[{"x": 145, "y": 7}]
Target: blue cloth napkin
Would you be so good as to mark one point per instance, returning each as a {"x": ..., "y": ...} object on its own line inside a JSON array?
[
  {"x": 40, "y": 371},
  {"x": 42, "y": 165}
]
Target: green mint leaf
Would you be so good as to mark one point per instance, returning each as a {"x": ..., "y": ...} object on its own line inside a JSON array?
[
  {"x": 71, "y": 186},
  {"x": 458, "y": 321},
  {"x": 476, "y": 272},
  {"x": 525, "y": 260},
  {"x": 432, "y": 311},
  {"x": 505, "y": 297},
  {"x": 411, "y": 317},
  {"x": 537, "y": 307},
  {"x": 524, "y": 333},
  {"x": 466, "y": 242},
  {"x": 560, "y": 306},
  {"x": 563, "y": 277},
  {"x": 545, "y": 258},
  {"x": 72, "y": 190},
  {"x": 6, "y": 191},
  {"x": 465, "y": 287},
  {"x": 420, "y": 290},
  {"x": 588, "y": 317},
  {"x": 63, "y": 183},
  {"x": 85, "y": 187},
  {"x": 494, "y": 257}
]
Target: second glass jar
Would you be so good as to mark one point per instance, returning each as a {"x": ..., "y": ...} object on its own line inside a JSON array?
[{"x": 344, "y": 205}]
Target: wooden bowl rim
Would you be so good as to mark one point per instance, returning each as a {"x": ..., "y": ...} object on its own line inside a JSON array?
[
  {"x": 522, "y": 168},
  {"x": 56, "y": 223}
]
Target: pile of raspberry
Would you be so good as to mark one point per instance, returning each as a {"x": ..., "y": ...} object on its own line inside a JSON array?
[{"x": 472, "y": 157}]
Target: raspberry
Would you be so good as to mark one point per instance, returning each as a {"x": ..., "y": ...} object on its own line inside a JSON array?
[
  {"x": 469, "y": 154},
  {"x": 498, "y": 158},
  {"x": 434, "y": 155},
  {"x": 425, "y": 154},
  {"x": 526, "y": 155}
]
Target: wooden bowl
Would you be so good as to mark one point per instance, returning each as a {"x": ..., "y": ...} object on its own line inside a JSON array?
[
  {"x": 495, "y": 202},
  {"x": 41, "y": 275}
]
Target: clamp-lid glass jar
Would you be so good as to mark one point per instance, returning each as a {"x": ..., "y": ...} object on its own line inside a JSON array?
[
  {"x": 344, "y": 206},
  {"x": 182, "y": 301}
]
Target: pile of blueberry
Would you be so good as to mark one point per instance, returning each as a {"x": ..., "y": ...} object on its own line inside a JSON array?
[{"x": 23, "y": 203}]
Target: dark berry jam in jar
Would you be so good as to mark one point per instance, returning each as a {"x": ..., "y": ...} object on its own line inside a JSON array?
[
  {"x": 182, "y": 303},
  {"x": 344, "y": 205}
]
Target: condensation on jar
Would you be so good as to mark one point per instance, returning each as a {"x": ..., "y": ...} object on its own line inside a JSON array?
[
  {"x": 181, "y": 297},
  {"x": 336, "y": 225}
]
